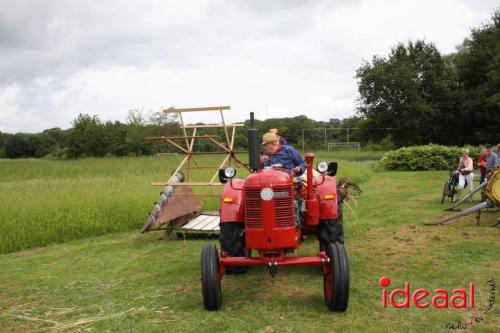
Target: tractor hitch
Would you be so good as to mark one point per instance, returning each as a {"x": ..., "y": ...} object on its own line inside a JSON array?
[{"x": 273, "y": 268}]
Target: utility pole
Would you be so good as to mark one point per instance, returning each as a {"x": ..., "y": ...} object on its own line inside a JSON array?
[
  {"x": 303, "y": 142},
  {"x": 326, "y": 144}
]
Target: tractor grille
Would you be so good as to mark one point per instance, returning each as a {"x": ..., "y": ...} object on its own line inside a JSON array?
[
  {"x": 253, "y": 217},
  {"x": 283, "y": 203},
  {"x": 283, "y": 207}
]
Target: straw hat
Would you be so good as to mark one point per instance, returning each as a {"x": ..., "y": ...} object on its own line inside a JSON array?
[
  {"x": 465, "y": 151},
  {"x": 269, "y": 137},
  {"x": 273, "y": 130}
]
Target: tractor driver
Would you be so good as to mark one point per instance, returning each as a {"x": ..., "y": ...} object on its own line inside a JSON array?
[{"x": 276, "y": 153}]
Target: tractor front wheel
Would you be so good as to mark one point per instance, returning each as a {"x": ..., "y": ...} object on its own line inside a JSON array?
[
  {"x": 336, "y": 280},
  {"x": 210, "y": 279},
  {"x": 331, "y": 230}
]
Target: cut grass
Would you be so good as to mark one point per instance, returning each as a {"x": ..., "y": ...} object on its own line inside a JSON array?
[
  {"x": 44, "y": 202},
  {"x": 128, "y": 282}
]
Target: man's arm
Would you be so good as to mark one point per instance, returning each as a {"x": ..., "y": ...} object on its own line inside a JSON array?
[
  {"x": 297, "y": 160},
  {"x": 264, "y": 159}
]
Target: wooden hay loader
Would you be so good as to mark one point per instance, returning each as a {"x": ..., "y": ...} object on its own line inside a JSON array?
[{"x": 179, "y": 207}]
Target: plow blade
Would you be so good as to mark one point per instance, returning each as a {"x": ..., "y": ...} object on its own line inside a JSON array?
[
  {"x": 454, "y": 207},
  {"x": 468, "y": 211},
  {"x": 175, "y": 205}
]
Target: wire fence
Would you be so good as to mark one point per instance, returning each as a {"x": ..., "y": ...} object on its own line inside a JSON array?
[{"x": 335, "y": 138}]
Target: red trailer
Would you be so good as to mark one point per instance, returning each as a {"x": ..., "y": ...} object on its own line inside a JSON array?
[{"x": 269, "y": 212}]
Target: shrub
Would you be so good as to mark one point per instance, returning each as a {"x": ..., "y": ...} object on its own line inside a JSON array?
[
  {"x": 427, "y": 157},
  {"x": 57, "y": 154}
]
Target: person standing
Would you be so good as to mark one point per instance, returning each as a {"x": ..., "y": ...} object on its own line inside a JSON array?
[
  {"x": 465, "y": 171},
  {"x": 491, "y": 159},
  {"x": 481, "y": 162}
]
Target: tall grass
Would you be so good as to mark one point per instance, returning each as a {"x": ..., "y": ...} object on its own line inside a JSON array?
[{"x": 44, "y": 202}]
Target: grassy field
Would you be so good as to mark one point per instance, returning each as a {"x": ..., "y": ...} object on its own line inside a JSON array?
[
  {"x": 43, "y": 202},
  {"x": 129, "y": 282}
]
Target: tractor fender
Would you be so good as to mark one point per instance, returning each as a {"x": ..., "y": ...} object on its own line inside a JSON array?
[
  {"x": 327, "y": 193},
  {"x": 232, "y": 206}
]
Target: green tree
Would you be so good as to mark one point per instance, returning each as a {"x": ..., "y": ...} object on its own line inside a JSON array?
[
  {"x": 3, "y": 142},
  {"x": 21, "y": 145},
  {"x": 408, "y": 91},
  {"x": 478, "y": 72},
  {"x": 51, "y": 140},
  {"x": 115, "y": 134},
  {"x": 86, "y": 137}
]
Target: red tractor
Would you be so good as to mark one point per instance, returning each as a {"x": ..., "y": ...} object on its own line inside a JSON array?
[{"x": 269, "y": 212}]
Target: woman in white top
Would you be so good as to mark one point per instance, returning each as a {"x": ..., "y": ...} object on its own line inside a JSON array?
[{"x": 465, "y": 171}]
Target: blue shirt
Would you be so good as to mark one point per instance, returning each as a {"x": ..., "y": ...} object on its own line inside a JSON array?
[
  {"x": 283, "y": 141},
  {"x": 286, "y": 156},
  {"x": 492, "y": 161}
]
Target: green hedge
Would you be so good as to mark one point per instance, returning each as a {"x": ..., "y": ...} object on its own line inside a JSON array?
[{"x": 428, "y": 157}]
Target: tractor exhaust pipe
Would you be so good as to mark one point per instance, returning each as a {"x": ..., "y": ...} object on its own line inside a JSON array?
[{"x": 253, "y": 145}]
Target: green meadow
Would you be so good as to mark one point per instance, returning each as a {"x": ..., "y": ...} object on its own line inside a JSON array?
[
  {"x": 74, "y": 261},
  {"x": 43, "y": 201}
]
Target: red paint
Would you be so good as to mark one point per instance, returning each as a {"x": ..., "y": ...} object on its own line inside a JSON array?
[
  {"x": 384, "y": 281},
  {"x": 309, "y": 158},
  {"x": 270, "y": 225},
  {"x": 327, "y": 208},
  {"x": 232, "y": 211},
  {"x": 419, "y": 295},
  {"x": 440, "y": 298}
]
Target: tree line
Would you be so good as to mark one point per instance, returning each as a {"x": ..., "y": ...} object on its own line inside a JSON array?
[
  {"x": 89, "y": 136},
  {"x": 414, "y": 95},
  {"x": 426, "y": 97}
]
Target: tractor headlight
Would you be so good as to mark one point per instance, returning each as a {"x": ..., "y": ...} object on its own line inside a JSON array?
[
  {"x": 322, "y": 167},
  {"x": 266, "y": 193},
  {"x": 229, "y": 172}
]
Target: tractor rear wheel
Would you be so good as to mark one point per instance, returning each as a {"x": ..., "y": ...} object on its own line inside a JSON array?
[
  {"x": 210, "y": 280},
  {"x": 336, "y": 281},
  {"x": 232, "y": 241}
]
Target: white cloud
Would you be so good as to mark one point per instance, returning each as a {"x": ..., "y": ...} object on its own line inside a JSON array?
[{"x": 298, "y": 57}]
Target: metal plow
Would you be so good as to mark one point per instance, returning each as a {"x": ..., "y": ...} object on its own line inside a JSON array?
[
  {"x": 179, "y": 209},
  {"x": 490, "y": 193},
  {"x": 174, "y": 207}
]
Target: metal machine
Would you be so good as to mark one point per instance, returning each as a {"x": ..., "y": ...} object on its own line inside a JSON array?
[{"x": 267, "y": 214}]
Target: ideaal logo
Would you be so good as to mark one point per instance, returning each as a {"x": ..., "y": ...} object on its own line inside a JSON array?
[{"x": 459, "y": 298}]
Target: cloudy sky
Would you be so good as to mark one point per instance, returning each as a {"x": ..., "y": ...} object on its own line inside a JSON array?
[{"x": 277, "y": 58}]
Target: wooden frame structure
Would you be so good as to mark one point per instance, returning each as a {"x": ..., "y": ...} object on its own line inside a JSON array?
[{"x": 186, "y": 142}]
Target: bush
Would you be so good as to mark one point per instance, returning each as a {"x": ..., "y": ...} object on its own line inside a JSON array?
[
  {"x": 385, "y": 144},
  {"x": 57, "y": 154},
  {"x": 427, "y": 157}
]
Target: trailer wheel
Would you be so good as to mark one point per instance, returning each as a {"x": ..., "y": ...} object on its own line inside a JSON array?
[
  {"x": 232, "y": 241},
  {"x": 331, "y": 230},
  {"x": 336, "y": 281},
  {"x": 210, "y": 280}
]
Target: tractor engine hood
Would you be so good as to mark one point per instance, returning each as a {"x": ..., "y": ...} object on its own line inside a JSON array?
[{"x": 268, "y": 178}]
